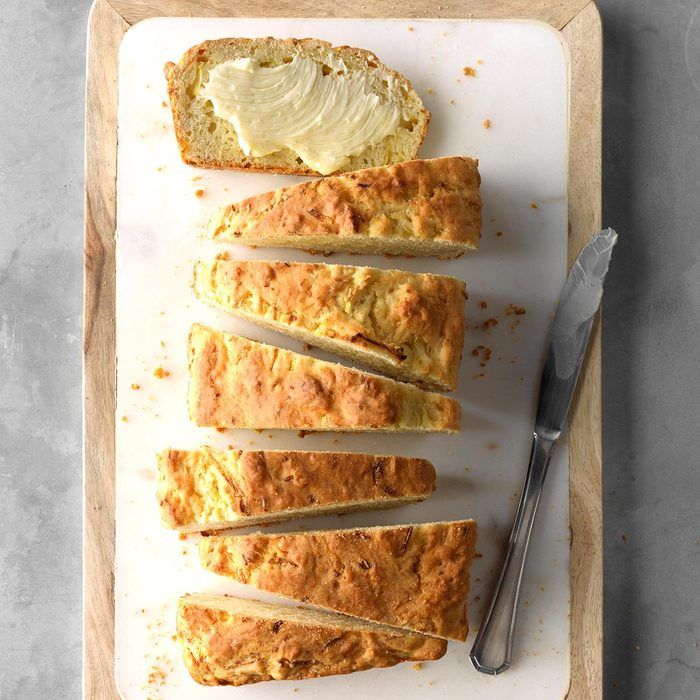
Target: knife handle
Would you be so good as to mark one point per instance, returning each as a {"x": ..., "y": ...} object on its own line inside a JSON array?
[{"x": 492, "y": 648}]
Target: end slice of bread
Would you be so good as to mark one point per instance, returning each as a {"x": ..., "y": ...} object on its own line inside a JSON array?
[
  {"x": 210, "y": 489},
  {"x": 417, "y": 208},
  {"x": 240, "y": 383},
  {"x": 233, "y": 641},
  {"x": 209, "y": 141}
]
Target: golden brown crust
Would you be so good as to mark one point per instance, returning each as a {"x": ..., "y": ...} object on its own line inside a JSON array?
[
  {"x": 208, "y": 489},
  {"x": 225, "y": 643},
  {"x": 410, "y": 326},
  {"x": 434, "y": 201},
  {"x": 239, "y": 383},
  {"x": 413, "y": 576},
  {"x": 286, "y": 162}
]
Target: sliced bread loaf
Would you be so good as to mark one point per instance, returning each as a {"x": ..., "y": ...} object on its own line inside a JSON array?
[
  {"x": 291, "y": 106},
  {"x": 232, "y": 641},
  {"x": 409, "y": 326},
  {"x": 209, "y": 489},
  {"x": 239, "y": 383},
  {"x": 411, "y": 576},
  {"x": 420, "y": 207}
]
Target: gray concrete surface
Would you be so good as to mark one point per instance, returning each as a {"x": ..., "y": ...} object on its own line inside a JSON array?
[{"x": 651, "y": 336}]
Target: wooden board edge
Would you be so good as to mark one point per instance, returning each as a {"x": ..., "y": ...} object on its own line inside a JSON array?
[
  {"x": 106, "y": 28},
  {"x": 554, "y": 12},
  {"x": 583, "y": 37}
]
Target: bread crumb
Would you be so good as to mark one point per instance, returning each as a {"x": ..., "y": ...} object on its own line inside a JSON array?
[
  {"x": 492, "y": 446},
  {"x": 483, "y": 304},
  {"x": 486, "y": 123},
  {"x": 489, "y": 323},
  {"x": 135, "y": 387},
  {"x": 199, "y": 193},
  {"x": 125, "y": 419},
  {"x": 479, "y": 62},
  {"x": 637, "y": 647},
  {"x": 453, "y": 103},
  {"x": 430, "y": 91},
  {"x": 469, "y": 71},
  {"x": 483, "y": 353},
  {"x": 163, "y": 104},
  {"x": 533, "y": 205},
  {"x": 157, "y": 676},
  {"x": 624, "y": 537},
  {"x": 418, "y": 666},
  {"x": 160, "y": 373},
  {"x": 220, "y": 430},
  {"x": 515, "y": 310},
  {"x": 410, "y": 29},
  {"x": 499, "y": 234}
]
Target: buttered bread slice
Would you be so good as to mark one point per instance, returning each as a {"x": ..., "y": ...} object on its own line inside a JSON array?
[
  {"x": 239, "y": 383},
  {"x": 232, "y": 641},
  {"x": 409, "y": 326},
  {"x": 420, "y": 207},
  {"x": 411, "y": 576},
  {"x": 210, "y": 489},
  {"x": 291, "y": 106}
]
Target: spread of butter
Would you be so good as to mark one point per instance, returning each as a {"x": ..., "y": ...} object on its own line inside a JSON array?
[{"x": 324, "y": 119}]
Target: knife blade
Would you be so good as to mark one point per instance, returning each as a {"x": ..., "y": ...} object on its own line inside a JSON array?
[{"x": 566, "y": 349}]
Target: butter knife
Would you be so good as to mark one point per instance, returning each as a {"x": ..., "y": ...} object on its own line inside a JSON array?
[{"x": 566, "y": 349}]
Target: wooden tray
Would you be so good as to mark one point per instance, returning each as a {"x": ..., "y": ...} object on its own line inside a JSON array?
[{"x": 579, "y": 24}]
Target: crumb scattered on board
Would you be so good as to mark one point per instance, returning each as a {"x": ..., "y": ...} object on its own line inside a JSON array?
[
  {"x": 533, "y": 205},
  {"x": 160, "y": 373},
  {"x": 483, "y": 354},
  {"x": 515, "y": 310},
  {"x": 199, "y": 193},
  {"x": 469, "y": 71},
  {"x": 486, "y": 123}
]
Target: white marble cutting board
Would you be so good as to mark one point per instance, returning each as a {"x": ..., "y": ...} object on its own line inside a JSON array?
[{"x": 520, "y": 86}]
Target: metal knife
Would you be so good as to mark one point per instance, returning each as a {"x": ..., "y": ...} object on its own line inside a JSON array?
[{"x": 566, "y": 349}]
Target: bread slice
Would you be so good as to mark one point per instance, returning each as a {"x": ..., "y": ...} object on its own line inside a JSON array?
[
  {"x": 209, "y": 141},
  {"x": 209, "y": 489},
  {"x": 420, "y": 207},
  {"x": 239, "y": 383},
  {"x": 410, "y": 576},
  {"x": 232, "y": 641},
  {"x": 409, "y": 326}
]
